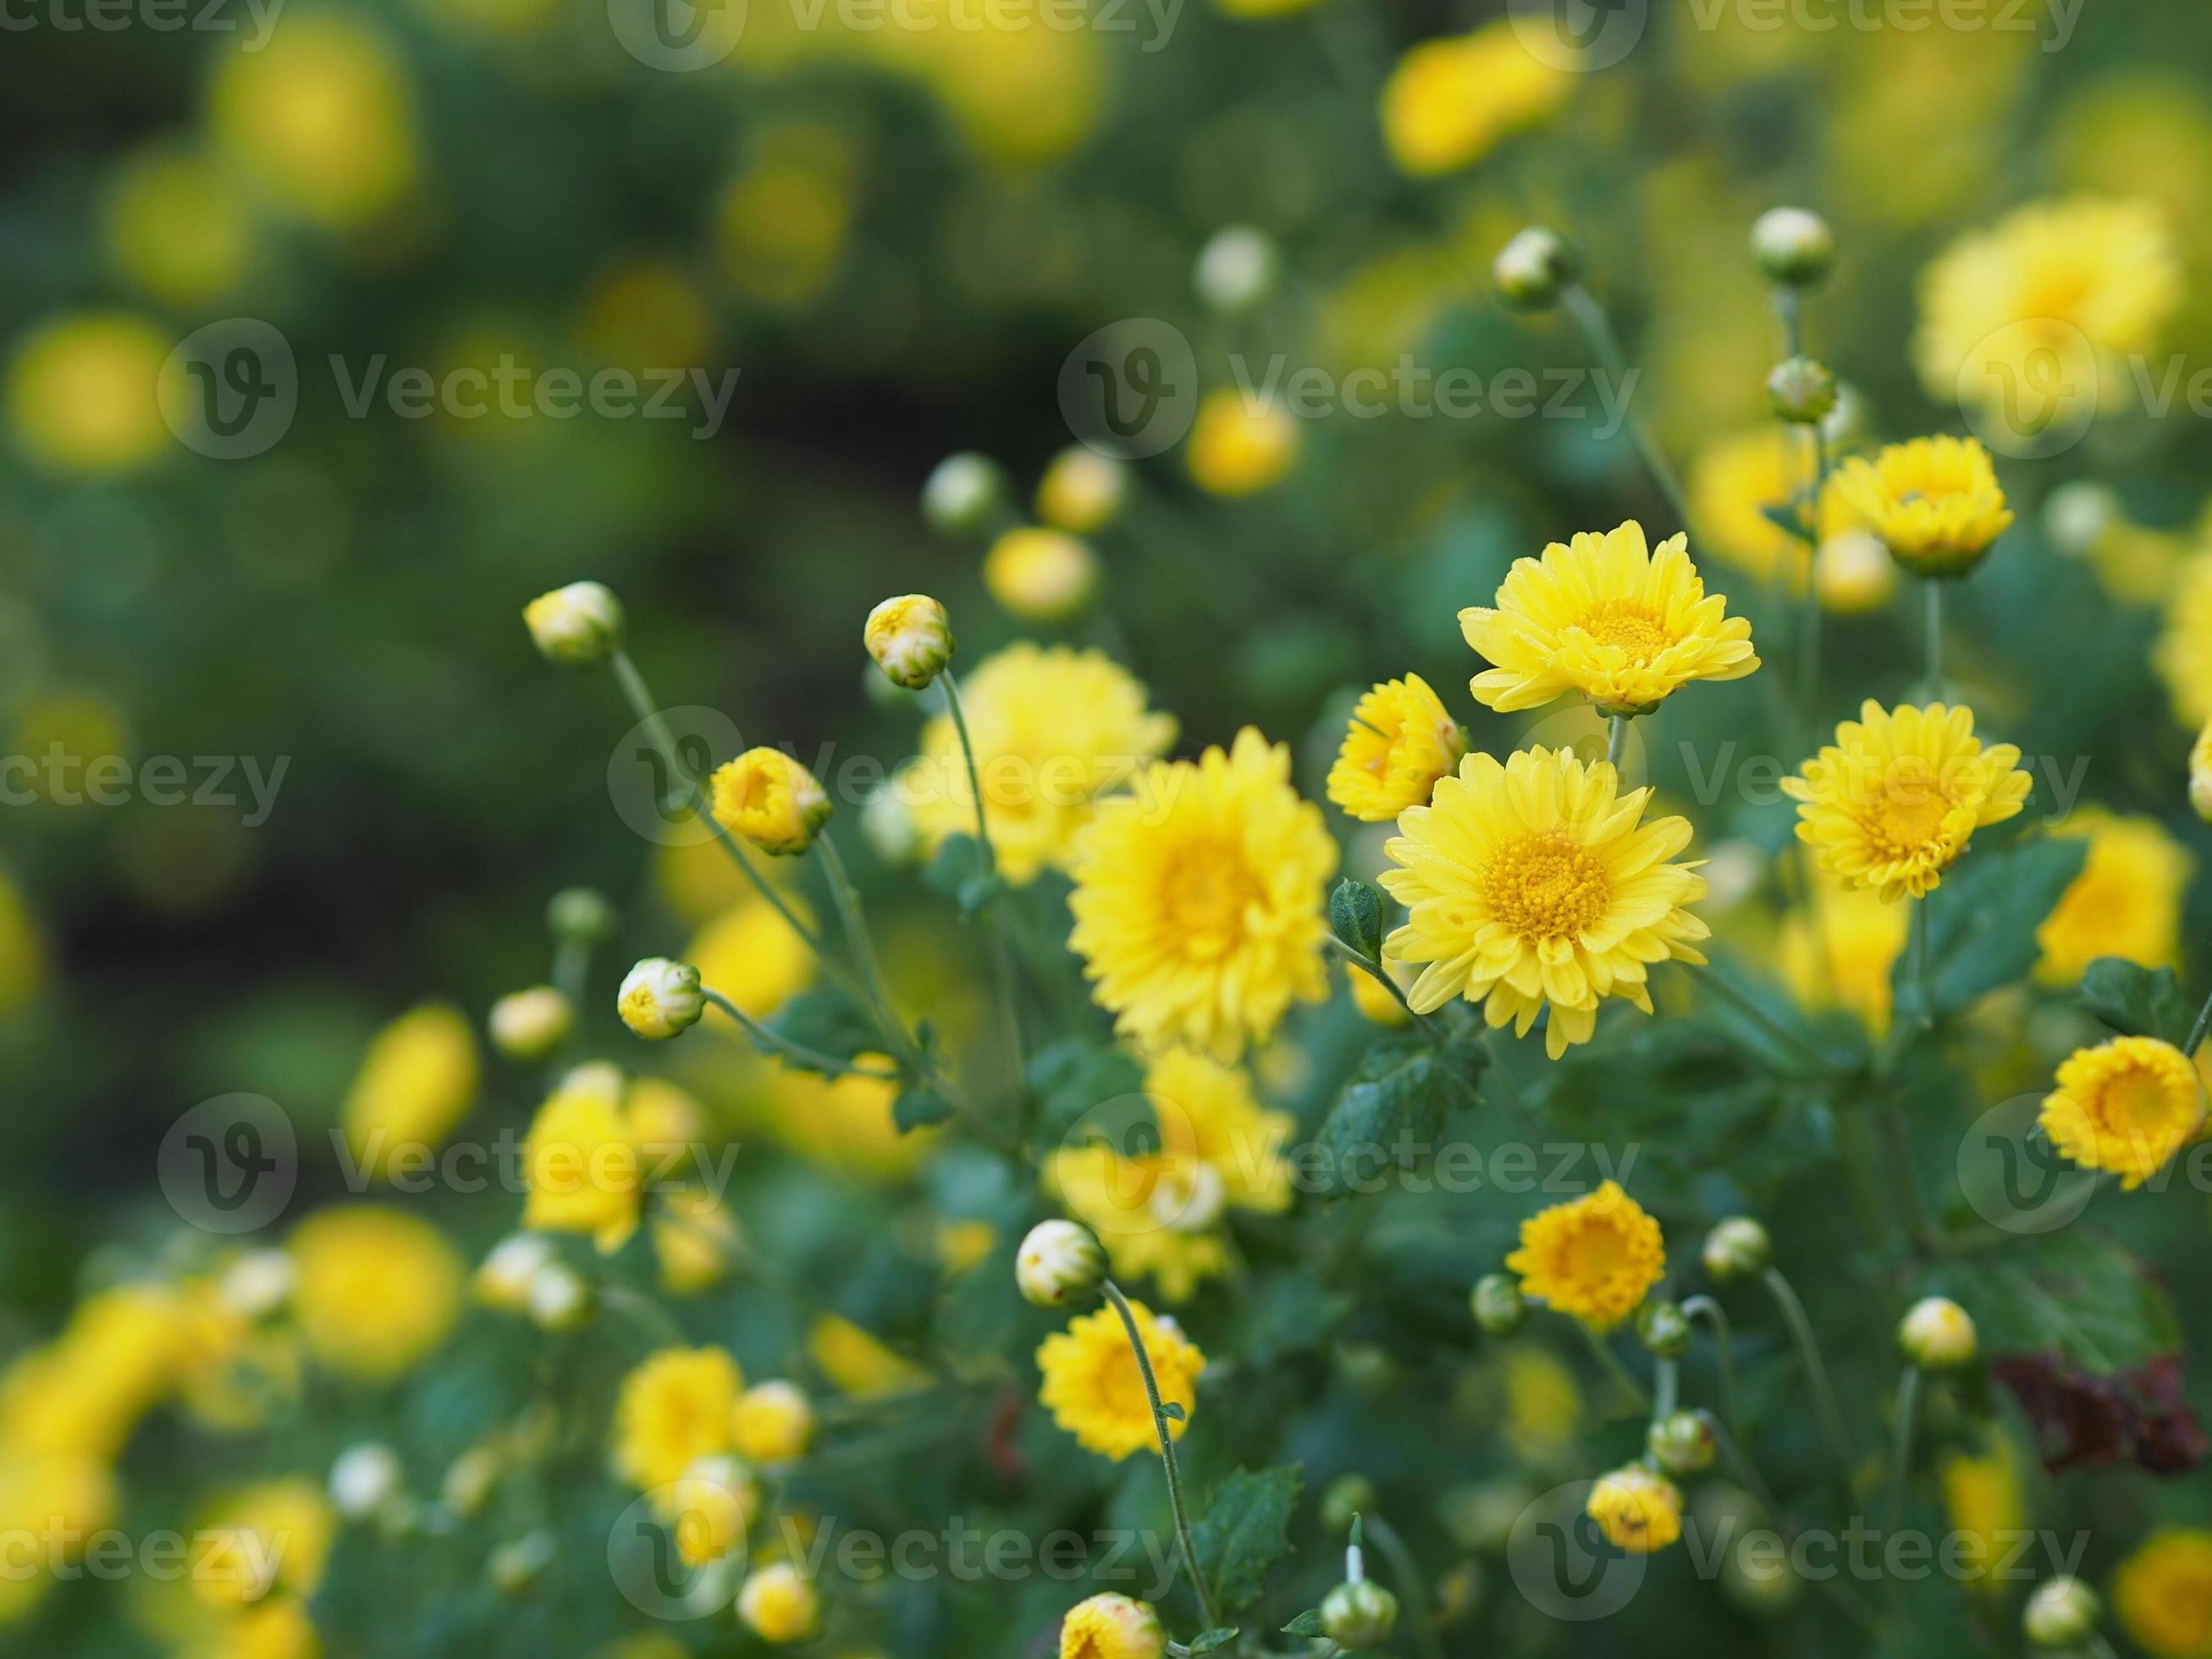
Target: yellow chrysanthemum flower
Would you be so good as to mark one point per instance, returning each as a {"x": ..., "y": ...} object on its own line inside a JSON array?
[
  {"x": 860, "y": 1363},
  {"x": 416, "y": 1081},
  {"x": 83, "y": 393},
  {"x": 1054, "y": 728},
  {"x": 50, "y": 1503},
  {"x": 772, "y": 1423},
  {"x": 1543, "y": 1402},
  {"x": 778, "y": 1605},
  {"x": 1082, "y": 491},
  {"x": 2126, "y": 1105},
  {"x": 1933, "y": 502},
  {"x": 1983, "y": 1498},
  {"x": 1608, "y": 617},
  {"x": 581, "y": 1161},
  {"x": 377, "y": 1289},
  {"x": 1892, "y": 803},
  {"x": 2184, "y": 649},
  {"x": 1535, "y": 883},
  {"x": 1157, "y": 1213},
  {"x": 1039, "y": 575},
  {"x": 1838, "y": 950},
  {"x": 695, "y": 1241},
  {"x": 275, "y": 1534},
  {"x": 674, "y": 1408},
  {"x": 177, "y": 225},
  {"x": 2125, "y": 902},
  {"x": 1637, "y": 1507},
  {"x": 767, "y": 798},
  {"x": 1593, "y": 1257},
  {"x": 1094, "y": 1390},
  {"x": 1734, "y": 480},
  {"x": 1400, "y": 741},
  {"x": 2163, "y": 1594},
  {"x": 1240, "y": 445},
  {"x": 1198, "y": 900},
  {"x": 1448, "y": 103},
  {"x": 2050, "y": 276},
  {"x": 1111, "y": 1627}
]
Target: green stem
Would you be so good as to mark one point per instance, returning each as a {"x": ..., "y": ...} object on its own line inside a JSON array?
[
  {"x": 1704, "y": 1307},
  {"x": 1597, "y": 329},
  {"x": 1167, "y": 1456},
  {"x": 1809, "y": 613},
  {"x": 1918, "y": 1228},
  {"x": 1745, "y": 1474},
  {"x": 846, "y": 899},
  {"x": 1934, "y": 639},
  {"x": 773, "y": 1042},
  {"x": 952, "y": 706},
  {"x": 1622, "y": 1377},
  {"x": 2198, "y": 1031},
  {"x": 1002, "y": 966},
  {"x": 1900, "y": 1464},
  {"x": 1413, "y": 1589},
  {"x": 1741, "y": 1002},
  {"x": 1375, "y": 971},
  {"x": 645, "y": 1314},
  {"x": 1808, "y": 1354},
  {"x": 642, "y": 703},
  {"x": 1616, "y": 739},
  {"x": 571, "y": 962},
  {"x": 1666, "y": 1387}
]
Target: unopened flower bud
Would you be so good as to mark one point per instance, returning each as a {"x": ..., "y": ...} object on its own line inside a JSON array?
[
  {"x": 503, "y": 1281},
  {"x": 1801, "y": 391},
  {"x": 1059, "y": 1261},
  {"x": 576, "y": 625},
  {"x": 2076, "y": 515},
  {"x": 1664, "y": 1329},
  {"x": 2200, "y": 774},
  {"x": 660, "y": 999},
  {"x": 515, "y": 1566},
  {"x": 1682, "y": 1443},
  {"x": 1346, "y": 1496},
  {"x": 1359, "y": 1614},
  {"x": 1936, "y": 1334},
  {"x": 1636, "y": 1509},
  {"x": 364, "y": 1479},
  {"x": 469, "y": 1480},
  {"x": 531, "y": 1024},
  {"x": 1082, "y": 491},
  {"x": 778, "y": 1605},
  {"x": 1534, "y": 269},
  {"x": 1116, "y": 1624},
  {"x": 561, "y": 1299},
  {"x": 581, "y": 916},
  {"x": 2062, "y": 1613},
  {"x": 1737, "y": 1248},
  {"x": 1498, "y": 1306},
  {"x": 1041, "y": 576},
  {"x": 1792, "y": 246},
  {"x": 772, "y": 1423},
  {"x": 1236, "y": 268},
  {"x": 888, "y": 825},
  {"x": 910, "y": 637},
  {"x": 258, "y": 1284},
  {"x": 767, "y": 798},
  {"x": 964, "y": 495}
]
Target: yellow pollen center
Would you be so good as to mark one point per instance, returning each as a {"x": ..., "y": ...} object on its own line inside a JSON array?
[
  {"x": 1207, "y": 892},
  {"x": 2133, "y": 1100},
  {"x": 1547, "y": 887},
  {"x": 1596, "y": 1253},
  {"x": 1636, "y": 629},
  {"x": 1908, "y": 812}
]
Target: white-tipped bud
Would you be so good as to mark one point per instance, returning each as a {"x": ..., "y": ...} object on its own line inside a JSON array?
[
  {"x": 561, "y": 1299},
  {"x": 1792, "y": 246},
  {"x": 1801, "y": 391},
  {"x": 1359, "y": 1614},
  {"x": 1497, "y": 1304},
  {"x": 503, "y": 1281},
  {"x": 258, "y": 1284},
  {"x": 2076, "y": 515},
  {"x": 1236, "y": 268},
  {"x": 1059, "y": 1261},
  {"x": 1737, "y": 1247},
  {"x": 532, "y": 1023},
  {"x": 576, "y": 625},
  {"x": 1534, "y": 269},
  {"x": 965, "y": 494},
  {"x": 2062, "y": 1613},
  {"x": 1681, "y": 1443},
  {"x": 910, "y": 637},
  {"x": 364, "y": 1479},
  {"x": 661, "y": 998},
  {"x": 581, "y": 916},
  {"x": 1936, "y": 1334},
  {"x": 2200, "y": 774},
  {"x": 887, "y": 824}
]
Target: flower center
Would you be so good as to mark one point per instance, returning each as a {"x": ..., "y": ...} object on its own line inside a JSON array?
[
  {"x": 1209, "y": 889},
  {"x": 1121, "y": 1386},
  {"x": 1635, "y": 628},
  {"x": 1547, "y": 887},
  {"x": 1909, "y": 810},
  {"x": 2134, "y": 1100},
  {"x": 1597, "y": 1253}
]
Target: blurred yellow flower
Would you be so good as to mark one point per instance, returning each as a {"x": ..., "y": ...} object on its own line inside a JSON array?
[
  {"x": 1593, "y": 1257},
  {"x": 1637, "y": 1509},
  {"x": 1082, "y": 490},
  {"x": 23, "y": 950},
  {"x": 1376, "y": 1004},
  {"x": 1839, "y": 949},
  {"x": 2053, "y": 276},
  {"x": 1198, "y": 900},
  {"x": 845, "y": 1123},
  {"x": 643, "y": 313},
  {"x": 580, "y": 1163},
  {"x": 782, "y": 223},
  {"x": 695, "y": 1241},
  {"x": 1894, "y": 801},
  {"x": 84, "y": 392},
  {"x": 1606, "y": 616},
  {"x": 1450, "y": 102},
  {"x": 319, "y": 118},
  {"x": 2127, "y": 1105},
  {"x": 2163, "y": 1594},
  {"x": 416, "y": 1082},
  {"x": 177, "y": 226},
  {"x": 84, "y": 1393},
  {"x": 2125, "y": 902},
  {"x": 49, "y": 1503},
  {"x": 1543, "y": 1403},
  {"x": 708, "y": 1508},
  {"x": 859, "y": 1364},
  {"x": 1240, "y": 443},
  {"x": 377, "y": 1290},
  {"x": 778, "y": 1605},
  {"x": 1933, "y": 502},
  {"x": 248, "y": 1543},
  {"x": 767, "y": 798},
  {"x": 673, "y": 1409},
  {"x": 1054, "y": 728},
  {"x": 1041, "y": 576},
  {"x": 752, "y": 956},
  {"x": 1095, "y": 1391},
  {"x": 1111, "y": 1627},
  {"x": 1401, "y": 739},
  {"x": 1734, "y": 480},
  {"x": 278, "y": 1628},
  {"x": 1983, "y": 1497},
  {"x": 772, "y": 1423},
  {"x": 2184, "y": 649},
  {"x": 1537, "y": 883}
]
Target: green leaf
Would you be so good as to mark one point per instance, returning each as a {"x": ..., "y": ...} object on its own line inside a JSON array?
[
  {"x": 1092, "y": 1089},
  {"x": 1392, "y": 1112},
  {"x": 1355, "y": 916},
  {"x": 1246, "y": 1531},
  {"x": 1209, "y": 1642},
  {"x": 2137, "y": 1001},
  {"x": 830, "y": 1023},
  {"x": 1983, "y": 921},
  {"x": 1173, "y": 1409},
  {"x": 918, "y": 1107},
  {"x": 962, "y": 872},
  {"x": 1306, "y": 1624},
  {"x": 2075, "y": 1292}
]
